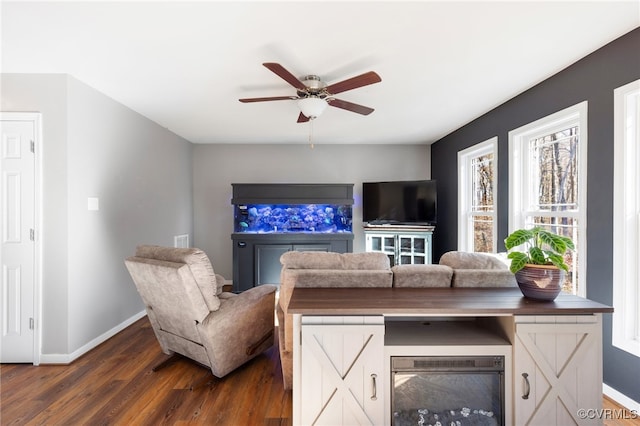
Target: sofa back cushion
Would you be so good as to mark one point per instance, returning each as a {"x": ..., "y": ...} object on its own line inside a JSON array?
[
  {"x": 464, "y": 260},
  {"x": 329, "y": 260},
  {"x": 327, "y": 269},
  {"x": 198, "y": 263},
  {"x": 340, "y": 278}
]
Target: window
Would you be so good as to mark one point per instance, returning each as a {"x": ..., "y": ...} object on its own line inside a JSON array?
[
  {"x": 626, "y": 218},
  {"x": 547, "y": 182},
  {"x": 477, "y": 185}
]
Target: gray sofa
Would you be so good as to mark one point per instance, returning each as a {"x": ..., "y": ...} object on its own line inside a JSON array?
[
  {"x": 366, "y": 270},
  {"x": 322, "y": 269}
]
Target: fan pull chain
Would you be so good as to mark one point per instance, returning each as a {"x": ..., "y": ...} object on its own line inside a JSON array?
[{"x": 311, "y": 133}]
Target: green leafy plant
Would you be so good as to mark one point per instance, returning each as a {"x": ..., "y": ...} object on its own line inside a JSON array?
[{"x": 541, "y": 247}]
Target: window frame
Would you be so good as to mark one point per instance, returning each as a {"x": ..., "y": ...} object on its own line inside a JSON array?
[
  {"x": 626, "y": 219},
  {"x": 519, "y": 183},
  {"x": 465, "y": 184}
]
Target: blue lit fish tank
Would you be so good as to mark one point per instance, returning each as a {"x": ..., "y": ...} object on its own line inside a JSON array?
[{"x": 290, "y": 218}]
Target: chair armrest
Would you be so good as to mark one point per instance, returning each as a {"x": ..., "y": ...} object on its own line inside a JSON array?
[
  {"x": 242, "y": 328},
  {"x": 252, "y": 304},
  {"x": 248, "y": 297}
]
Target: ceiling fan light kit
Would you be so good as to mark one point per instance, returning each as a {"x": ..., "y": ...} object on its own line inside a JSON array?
[
  {"x": 312, "y": 107},
  {"x": 313, "y": 95}
]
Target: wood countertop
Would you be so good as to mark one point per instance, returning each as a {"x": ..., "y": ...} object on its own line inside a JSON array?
[{"x": 434, "y": 301}]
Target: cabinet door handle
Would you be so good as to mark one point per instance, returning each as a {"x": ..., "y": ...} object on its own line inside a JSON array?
[
  {"x": 373, "y": 387},
  {"x": 527, "y": 386}
]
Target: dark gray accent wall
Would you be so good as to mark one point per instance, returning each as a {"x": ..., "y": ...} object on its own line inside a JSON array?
[{"x": 593, "y": 79}]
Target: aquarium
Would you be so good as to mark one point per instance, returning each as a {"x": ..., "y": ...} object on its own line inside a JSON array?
[{"x": 310, "y": 218}]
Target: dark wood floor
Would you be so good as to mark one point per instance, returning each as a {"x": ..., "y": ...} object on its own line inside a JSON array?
[{"x": 113, "y": 384}]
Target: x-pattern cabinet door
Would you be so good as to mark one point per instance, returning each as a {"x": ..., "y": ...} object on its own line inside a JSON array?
[
  {"x": 558, "y": 369},
  {"x": 342, "y": 371}
]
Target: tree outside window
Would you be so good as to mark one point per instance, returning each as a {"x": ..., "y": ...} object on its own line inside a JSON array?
[
  {"x": 554, "y": 175},
  {"x": 477, "y": 203},
  {"x": 547, "y": 182},
  {"x": 480, "y": 216}
]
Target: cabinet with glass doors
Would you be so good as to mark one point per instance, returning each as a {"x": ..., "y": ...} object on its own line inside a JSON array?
[{"x": 403, "y": 245}]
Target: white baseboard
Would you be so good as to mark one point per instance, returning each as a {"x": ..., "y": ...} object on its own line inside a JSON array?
[
  {"x": 69, "y": 358},
  {"x": 621, "y": 398}
]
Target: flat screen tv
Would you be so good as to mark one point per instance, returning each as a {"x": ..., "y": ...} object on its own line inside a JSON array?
[{"x": 399, "y": 203}]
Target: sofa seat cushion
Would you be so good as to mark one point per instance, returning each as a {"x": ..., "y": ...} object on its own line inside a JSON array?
[
  {"x": 339, "y": 278},
  {"x": 421, "y": 276},
  {"x": 483, "y": 278}
]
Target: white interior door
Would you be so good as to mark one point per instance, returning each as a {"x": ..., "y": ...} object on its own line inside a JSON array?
[{"x": 17, "y": 251}]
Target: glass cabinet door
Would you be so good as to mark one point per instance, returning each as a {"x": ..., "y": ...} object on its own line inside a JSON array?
[
  {"x": 412, "y": 250},
  {"x": 402, "y": 249}
]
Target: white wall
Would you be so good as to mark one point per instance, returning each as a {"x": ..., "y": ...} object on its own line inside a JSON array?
[
  {"x": 216, "y": 167},
  {"x": 141, "y": 173}
]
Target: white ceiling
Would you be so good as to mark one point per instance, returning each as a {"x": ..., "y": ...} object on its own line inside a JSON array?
[{"x": 186, "y": 64}]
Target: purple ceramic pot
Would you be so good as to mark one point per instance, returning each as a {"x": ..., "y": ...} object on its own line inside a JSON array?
[{"x": 540, "y": 282}]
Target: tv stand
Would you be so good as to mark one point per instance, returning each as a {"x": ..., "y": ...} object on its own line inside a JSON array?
[
  {"x": 404, "y": 244},
  {"x": 344, "y": 339}
]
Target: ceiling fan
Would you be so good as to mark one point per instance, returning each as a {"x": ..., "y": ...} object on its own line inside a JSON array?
[{"x": 313, "y": 95}]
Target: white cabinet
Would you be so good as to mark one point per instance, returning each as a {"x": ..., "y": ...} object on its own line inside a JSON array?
[
  {"x": 341, "y": 371},
  {"x": 404, "y": 246},
  {"x": 557, "y": 369}
]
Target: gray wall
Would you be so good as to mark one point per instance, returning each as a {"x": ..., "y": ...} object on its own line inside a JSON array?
[
  {"x": 150, "y": 188},
  {"x": 216, "y": 167},
  {"x": 47, "y": 94},
  {"x": 593, "y": 79},
  {"x": 141, "y": 173}
]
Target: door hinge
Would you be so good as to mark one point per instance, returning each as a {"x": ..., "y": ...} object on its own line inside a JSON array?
[
  {"x": 31, "y": 324},
  {"x": 32, "y": 234},
  {"x": 33, "y": 146}
]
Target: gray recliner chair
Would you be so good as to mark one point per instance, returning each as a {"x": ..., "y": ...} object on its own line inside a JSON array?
[{"x": 192, "y": 316}]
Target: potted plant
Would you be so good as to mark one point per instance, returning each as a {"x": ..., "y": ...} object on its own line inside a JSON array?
[{"x": 539, "y": 267}]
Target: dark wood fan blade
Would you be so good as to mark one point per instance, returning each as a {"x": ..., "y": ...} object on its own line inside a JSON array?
[
  {"x": 272, "y": 98},
  {"x": 285, "y": 75},
  {"x": 302, "y": 118},
  {"x": 353, "y": 83},
  {"x": 350, "y": 106}
]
